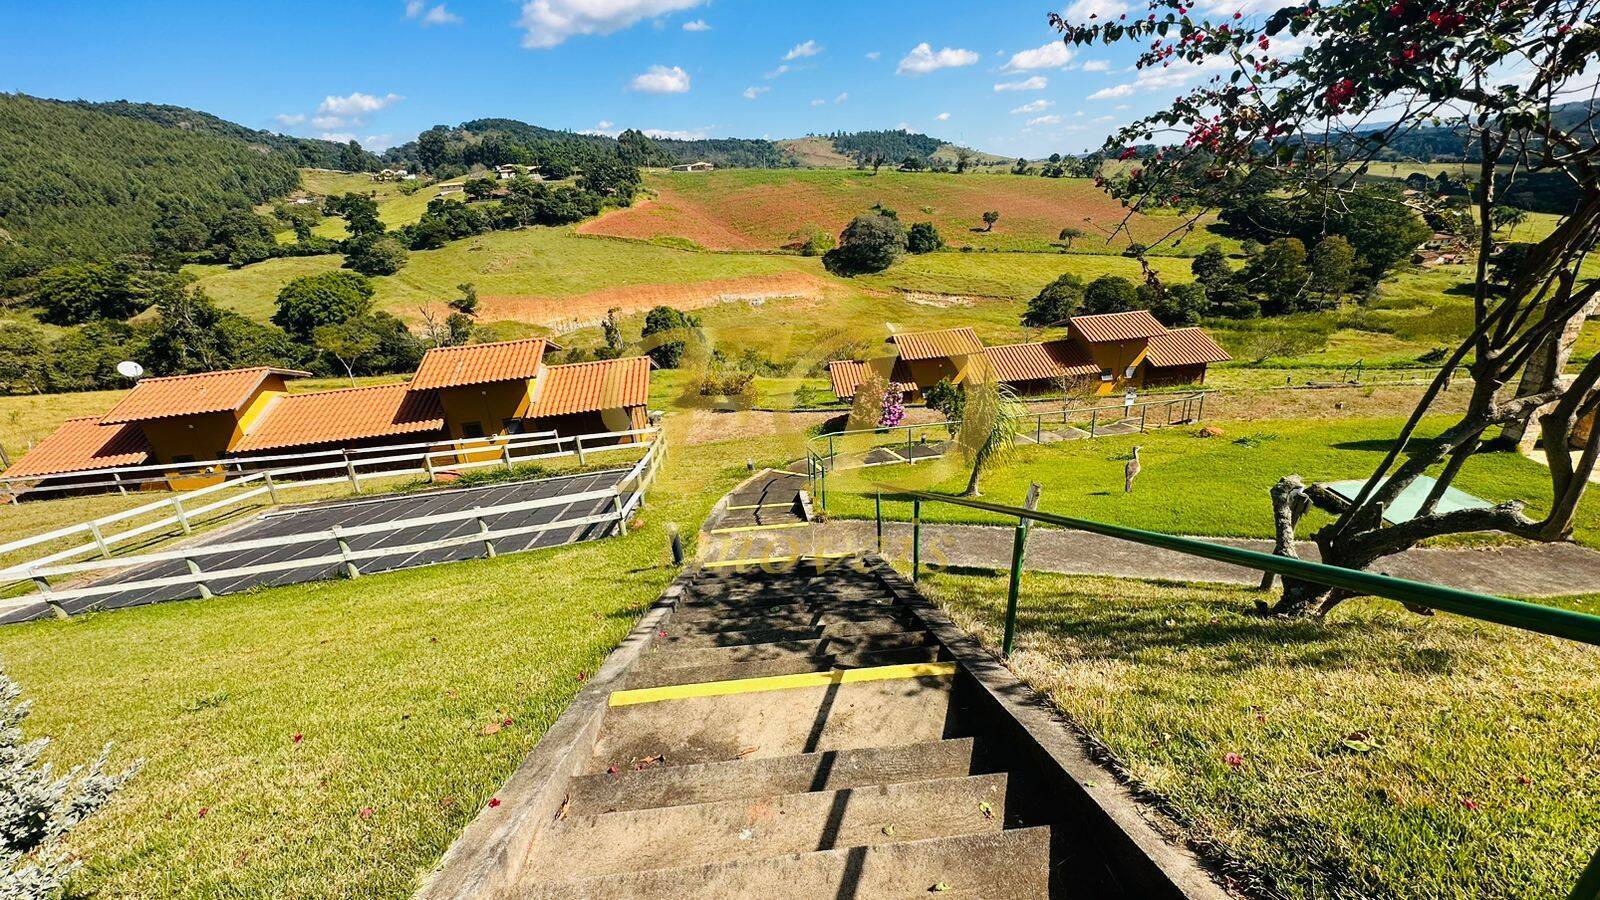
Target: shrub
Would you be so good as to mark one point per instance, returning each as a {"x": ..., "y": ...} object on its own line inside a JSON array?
[
  {"x": 924, "y": 238},
  {"x": 327, "y": 298},
  {"x": 371, "y": 255},
  {"x": 1110, "y": 293},
  {"x": 1055, "y": 304},
  {"x": 869, "y": 243}
]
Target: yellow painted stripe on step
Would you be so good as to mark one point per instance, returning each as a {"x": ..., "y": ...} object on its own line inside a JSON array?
[
  {"x": 763, "y": 560},
  {"x": 782, "y": 682},
  {"x": 762, "y": 505},
  {"x": 738, "y": 528}
]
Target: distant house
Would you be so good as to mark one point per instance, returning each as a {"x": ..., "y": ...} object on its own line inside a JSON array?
[
  {"x": 446, "y": 190},
  {"x": 694, "y": 167},
  {"x": 392, "y": 175},
  {"x": 1112, "y": 351},
  {"x": 472, "y": 391}
]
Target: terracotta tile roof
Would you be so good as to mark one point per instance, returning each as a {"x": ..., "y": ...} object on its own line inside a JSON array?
[
  {"x": 935, "y": 344},
  {"x": 1121, "y": 326},
  {"x": 593, "y": 386},
  {"x": 444, "y": 367},
  {"x": 1036, "y": 361},
  {"x": 1184, "y": 347},
  {"x": 189, "y": 395},
  {"x": 847, "y": 374},
  {"x": 83, "y": 444},
  {"x": 350, "y": 414}
]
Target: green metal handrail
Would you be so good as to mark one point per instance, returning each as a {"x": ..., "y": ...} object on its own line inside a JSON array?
[{"x": 1533, "y": 617}]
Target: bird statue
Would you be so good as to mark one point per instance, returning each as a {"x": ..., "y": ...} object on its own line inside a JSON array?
[{"x": 1130, "y": 472}]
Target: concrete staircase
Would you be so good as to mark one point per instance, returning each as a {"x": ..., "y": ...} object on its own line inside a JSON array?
[{"x": 796, "y": 735}]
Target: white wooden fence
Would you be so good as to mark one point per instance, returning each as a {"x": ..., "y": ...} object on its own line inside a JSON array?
[
  {"x": 626, "y": 495},
  {"x": 354, "y": 467}
]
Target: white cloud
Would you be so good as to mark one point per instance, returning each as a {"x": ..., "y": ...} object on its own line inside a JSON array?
[
  {"x": 605, "y": 124},
  {"x": 1053, "y": 55},
  {"x": 328, "y": 123},
  {"x": 874, "y": 55},
  {"x": 1045, "y": 120},
  {"x": 1033, "y": 107},
  {"x": 1036, "y": 83},
  {"x": 341, "y": 137},
  {"x": 661, "y": 80},
  {"x": 697, "y": 25},
  {"x": 752, "y": 92},
  {"x": 801, "y": 51},
  {"x": 356, "y": 105},
  {"x": 943, "y": 117},
  {"x": 1103, "y": 119},
  {"x": 693, "y": 134},
  {"x": 603, "y": 127},
  {"x": 843, "y": 96},
  {"x": 1114, "y": 92},
  {"x": 290, "y": 118},
  {"x": 1097, "y": 65},
  {"x": 924, "y": 59},
  {"x": 778, "y": 71},
  {"x": 819, "y": 102},
  {"x": 1083, "y": 10},
  {"x": 547, "y": 23},
  {"x": 436, "y": 15},
  {"x": 378, "y": 143}
]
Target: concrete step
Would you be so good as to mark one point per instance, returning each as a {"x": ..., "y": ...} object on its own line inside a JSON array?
[
  {"x": 744, "y": 778},
  {"x": 1008, "y": 865},
  {"x": 782, "y": 606},
  {"x": 884, "y": 625},
  {"x": 659, "y": 657},
  {"x": 792, "y": 617},
  {"x": 754, "y": 828},
  {"x": 789, "y": 665},
  {"x": 766, "y": 724}
]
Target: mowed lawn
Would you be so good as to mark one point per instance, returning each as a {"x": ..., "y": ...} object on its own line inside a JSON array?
[
  {"x": 767, "y": 209},
  {"x": 413, "y": 695},
  {"x": 1378, "y": 754},
  {"x": 1192, "y": 484}
]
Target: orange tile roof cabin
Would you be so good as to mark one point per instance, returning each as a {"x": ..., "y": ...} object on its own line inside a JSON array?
[
  {"x": 344, "y": 416},
  {"x": 474, "y": 364},
  {"x": 947, "y": 342},
  {"x": 189, "y": 395},
  {"x": 846, "y": 375},
  {"x": 593, "y": 386},
  {"x": 1136, "y": 325},
  {"x": 1039, "y": 361},
  {"x": 81, "y": 445},
  {"x": 1184, "y": 347}
]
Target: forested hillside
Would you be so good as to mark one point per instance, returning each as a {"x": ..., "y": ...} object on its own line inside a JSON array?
[
  {"x": 78, "y": 182},
  {"x": 309, "y": 153}
]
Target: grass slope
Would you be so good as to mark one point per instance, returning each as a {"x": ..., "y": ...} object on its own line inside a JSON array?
[
  {"x": 391, "y": 680},
  {"x": 1381, "y": 754},
  {"x": 763, "y": 209}
]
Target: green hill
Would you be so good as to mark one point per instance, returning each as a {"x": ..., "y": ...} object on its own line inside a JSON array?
[{"x": 77, "y": 181}]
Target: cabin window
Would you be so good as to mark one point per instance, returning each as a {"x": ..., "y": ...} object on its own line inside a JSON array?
[
  {"x": 472, "y": 429},
  {"x": 511, "y": 426},
  {"x": 183, "y": 458},
  {"x": 1107, "y": 375}
]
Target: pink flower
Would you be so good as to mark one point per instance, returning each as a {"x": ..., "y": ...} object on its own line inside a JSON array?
[
  {"x": 298, "y": 737},
  {"x": 1233, "y": 760},
  {"x": 366, "y": 812},
  {"x": 1469, "y": 803},
  {"x": 494, "y": 802},
  {"x": 204, "y": 810}
]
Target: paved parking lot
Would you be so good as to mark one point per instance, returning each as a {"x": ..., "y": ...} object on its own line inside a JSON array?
[{"x": 349, "y": 514}]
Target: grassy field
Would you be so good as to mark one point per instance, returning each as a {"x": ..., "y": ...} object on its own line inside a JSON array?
[
  {"x": 766, "y": 209},
  {"x": 1379, "y": 754},
  {"x": 391, "y": 681},
  {"x": 1191, "y": 484}
]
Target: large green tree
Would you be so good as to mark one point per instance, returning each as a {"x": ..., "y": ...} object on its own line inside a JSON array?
[
  {"x": 869, "y": 243},
  {"x": 1056, "y": 303},
  {"x": 327, "y": 298}
]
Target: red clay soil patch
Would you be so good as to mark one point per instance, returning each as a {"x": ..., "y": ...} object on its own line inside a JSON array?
[
  {"x": 733, "y": 211},
  {"x": 582, "y": 310}
]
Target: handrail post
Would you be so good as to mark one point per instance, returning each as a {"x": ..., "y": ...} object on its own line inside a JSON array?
[
  {"x": 115, "y": 476},
  {"x": 99, "y": 540},
  {"x": 577, "y": 443},
  {"x": 505, "y": 454},
  {"x": 916, "y": 539},
  {"x": 1019, "y": 546},
  {"x": 183, "y": 517},
  {"x": 877, "y": 510},
  {"x": 1143, "y": 411},
  {"x": 427, "y": 464},
  {"x": 194, "y": 570},
  {"x": 483, "y": 530},
  {"x": 1094, "y": 420},
  {"x": 272, "y": 489},
  {"x": 622, "y": 518},
  {"x": 350, "y": 569}
]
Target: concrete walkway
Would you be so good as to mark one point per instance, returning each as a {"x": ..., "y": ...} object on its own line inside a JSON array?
[{"x": 1537, "y": 570}]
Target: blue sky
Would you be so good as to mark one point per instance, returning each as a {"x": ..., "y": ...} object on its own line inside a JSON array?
[{"x": 989, "y": 75}]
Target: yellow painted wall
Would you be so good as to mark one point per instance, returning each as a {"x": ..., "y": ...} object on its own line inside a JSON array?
[
  {"x": 1118, "y": 356},
  {"x": 209, "y": 435},
  {"x": 488, "y": 404}
]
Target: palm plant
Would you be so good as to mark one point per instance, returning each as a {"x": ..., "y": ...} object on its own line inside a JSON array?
[{"x": 989, "y": 428}]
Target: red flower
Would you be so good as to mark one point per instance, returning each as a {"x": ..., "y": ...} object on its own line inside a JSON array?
[
  {"x": 204, "y": 810},
  {"x": 1233, "y": 760},
  {"x": 1129, "y": 153},
  {"x": 1469, "y": 803},
  {"x": 366, "y": 812},
  {"x": 1264, "y": 44},
  {"x": 297, "y": 737},
  {"x": 1238, "y": 15},
  {"x": 494, "y": 802}
]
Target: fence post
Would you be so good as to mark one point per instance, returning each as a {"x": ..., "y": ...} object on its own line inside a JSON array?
[
  {"x": 427, "y": 464},
  {"x": 505, "y": 454},
  {"x": 622, "y": 519},
  {"x": 911, "y": 448},
  {"x": 1038, "y": 429},
  {"x": 350, "y": 569},
  {"x": 916, "y": 539},
  {"x": 577, "y": 444},
  {"x": 194, "y": 569},
  {"x": 1202, "y": 413},
  {"x": 1094, "y": 420},
  {"x": 99, "y": 540},
  {"x": 877, "y": 510},
  {"x": 116, "y": 477},
  {"x": 483, "y": 529},
  {"x": 183, "y": 517},
  {"x": 272, "y": 489},
  {"x": 676, "y": 541},
  {"x": 43, "y": 584},
  {"x": 1143, "y": 411},
  {"x": 350, "y": 467},
  {"x": 1019, "y": 545}
]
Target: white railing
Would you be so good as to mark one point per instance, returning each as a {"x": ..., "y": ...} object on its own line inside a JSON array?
[
  {"x": 625, "y": 503},
  {"x": 180, "y": 510}
]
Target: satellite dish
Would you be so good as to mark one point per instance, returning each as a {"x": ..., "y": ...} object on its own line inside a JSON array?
[{"x": 130, "y": 369}]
